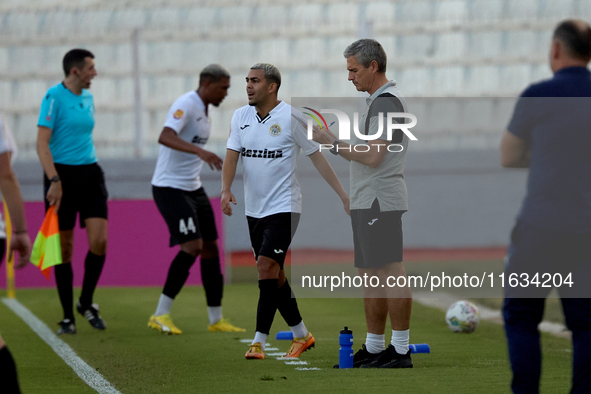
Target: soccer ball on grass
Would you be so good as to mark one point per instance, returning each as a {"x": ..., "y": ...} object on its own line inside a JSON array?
[{"x": 462, "y": 316}]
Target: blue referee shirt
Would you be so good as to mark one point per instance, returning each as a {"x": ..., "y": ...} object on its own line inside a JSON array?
[
  {"x": 554, "y": 118},
  {"x": 71, "y": 119}
]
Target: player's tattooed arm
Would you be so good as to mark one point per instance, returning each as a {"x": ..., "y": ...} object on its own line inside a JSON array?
[{"x": 228, "y": 174}]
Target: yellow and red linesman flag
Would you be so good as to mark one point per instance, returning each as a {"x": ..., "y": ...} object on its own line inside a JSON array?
[{"x": 47, "y": 250}]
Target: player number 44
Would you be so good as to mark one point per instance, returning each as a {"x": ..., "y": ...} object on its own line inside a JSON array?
[{"x": 185, "y": 228}]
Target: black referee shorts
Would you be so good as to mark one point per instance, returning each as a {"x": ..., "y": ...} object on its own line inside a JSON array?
[
  {"x": 271, "y": 235},
  {"x": 188, "y": 215},
  {"x": 84, "y": 192},
  {"x": 377, "y": 236}
]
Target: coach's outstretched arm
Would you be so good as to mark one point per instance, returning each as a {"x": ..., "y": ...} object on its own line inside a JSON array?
[
  {"x": 330, "y": 177},
  {"x": 228, "y": 174}
]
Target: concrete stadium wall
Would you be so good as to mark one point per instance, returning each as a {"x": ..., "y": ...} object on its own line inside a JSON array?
[{"x": 457, "y": 199}]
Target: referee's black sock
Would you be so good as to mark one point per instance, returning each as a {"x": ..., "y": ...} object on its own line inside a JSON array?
[
  {"x": 8, "y": 375},
  {"x": 93, "y": 266},
  {"x": 267, "y": 305},
  {"x": 287, "y": 305},
  {"x": 213, "y": 281},
  {"x": 178, "y": 274},
  {"x": 64, "y": 278}
]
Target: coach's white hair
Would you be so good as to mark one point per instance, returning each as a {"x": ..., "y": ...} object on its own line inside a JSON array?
[
  {"x": 213, "y": 73},
  {"x": 366, "y": 50},
  {"x": 272, "y": 74}
]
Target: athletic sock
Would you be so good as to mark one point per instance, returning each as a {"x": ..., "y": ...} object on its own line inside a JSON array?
[
  {"x": 300, "y": 330},
  {"x": 214, "y": 313},
  {"x": 164, "y": 304},
  {"x": 64, "y": 278},
  {"x": 267, "y": 305},
  {"x": 375, "y": 343},
  {"x": 93, "y": 266},
  {"x": 213, "y": 281},
  {"x": 400, "y": 341},
  {"x": 261, "y": 338},
  {"x": 288, "y": 306},
  {"x": 178, "y": 274},
  {"x": 8, "y": 375}
]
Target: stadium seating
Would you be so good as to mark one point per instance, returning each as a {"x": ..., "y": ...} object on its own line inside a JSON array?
[{"x": 434, "y": 47}]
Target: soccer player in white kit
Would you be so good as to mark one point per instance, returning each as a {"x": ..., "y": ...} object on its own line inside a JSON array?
[
  {"x": 269, "y": 140},
  {"x": 182, "y": 201}
]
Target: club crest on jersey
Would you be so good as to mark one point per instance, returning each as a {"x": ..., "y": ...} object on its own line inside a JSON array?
[
  {"x": 178, "y": 114},
  {"x": 275, "y": 130}
]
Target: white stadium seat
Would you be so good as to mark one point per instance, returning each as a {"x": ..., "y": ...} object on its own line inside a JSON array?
[
  {"x": 201, "y": 53},
  {"x": 486, "y": 11},
  {"x": 381, "y": 14},
  {"x": 235, "y": 20},
  {"x": 482, "y": 80},
  {"x": 450, "y": 46},
  {"x": 238, "y": 54},
  {"x": 274, "y": 51},
  {"x": 273, "y": 18},
  {"x": 335, "y": 46},
  {"x": 519, "y": 43},
  {"x": 126, "y": 19},
  {"x": 522, "y": 10},
  {"x": 447, "y": 80},
  {"x": 343, "y": 18},
  {"x": 416, "y": 47},
  {"x": 201, "y": 19},
  {"x": 557, "y": 10},
  {"x": 414, "y": 12},
  {"x": 452, "y": 12},
  {"x": 304, "y": 18},
  {"x": 307, "y": 52},
  {"x": 485, "y": 45},
  {"x": 415, "y": 81},
  {"x": 515, "y": 77}
]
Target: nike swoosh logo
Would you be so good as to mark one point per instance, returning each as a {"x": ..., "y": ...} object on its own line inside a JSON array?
[
  {"x": 278, "y": 251},
  {"x": 245, "y": 126},
  {"x": 372, "y": 222}
]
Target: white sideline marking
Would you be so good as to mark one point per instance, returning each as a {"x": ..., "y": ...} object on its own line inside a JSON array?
[
  {"x": 296, "y": 362},
  {"x": 275, "y": 354},
  {"x": 444, "y": 300},
  {"x": 308, "y": 369},
  {"x": 271, "y": 348},
  {"x": 246, "y": 340},
  {"x": 83, "y": 370}
]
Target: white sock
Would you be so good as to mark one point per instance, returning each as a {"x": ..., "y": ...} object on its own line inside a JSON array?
[
  {"x": 215, "y": 314},
  {"x": 261, "y": 338},
  {"x": 375, "y": 343},
  {"x": 299, "y": 331},
  {"x": 164, "y": 305},
  {"x": 400, "y": 341}
]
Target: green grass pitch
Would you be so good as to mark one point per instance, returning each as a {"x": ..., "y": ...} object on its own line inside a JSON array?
[{"x": 136, "y": 359}]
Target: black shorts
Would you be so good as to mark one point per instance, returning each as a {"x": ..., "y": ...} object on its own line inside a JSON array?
[
  {"x": 271, "y": 235},
  {"x": 188, "y": 215},
  {"x": 377, "y": 236},
  {"x": 84, "y": 191}
]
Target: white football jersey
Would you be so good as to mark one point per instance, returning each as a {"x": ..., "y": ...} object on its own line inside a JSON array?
[
  {"x": 269, "y": 149},
  {"x": 174, "y": 168}
]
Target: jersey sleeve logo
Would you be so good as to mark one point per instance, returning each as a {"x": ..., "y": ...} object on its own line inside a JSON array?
[
  {"x": 275, "y": 130},
  {"x": 178, "y": 114}
]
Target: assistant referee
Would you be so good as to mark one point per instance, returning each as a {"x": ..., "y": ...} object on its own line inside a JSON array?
[{"x": 74, "y": 182}]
